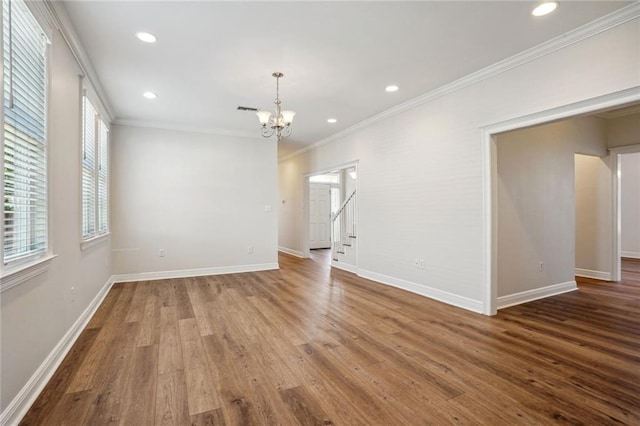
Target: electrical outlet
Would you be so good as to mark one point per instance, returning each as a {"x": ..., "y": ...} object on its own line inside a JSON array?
[
  {"x": 421, "y": 264},
  {"x": 250, "y": 249},
  {"x": 541, "y": 266},
  {"x": 161, "y": 253},
  {"x": 416, "y": 262}
]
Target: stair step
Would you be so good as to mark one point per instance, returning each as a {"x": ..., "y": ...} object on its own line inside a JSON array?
[
  {"x": 340, "y": 252},
  {"x": 335, "y": 259},
  {"x": 351, "y": 236},
  {"x": 346, "y": 245}
]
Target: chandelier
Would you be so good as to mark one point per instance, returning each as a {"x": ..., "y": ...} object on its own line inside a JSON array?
[{"x": 280, "y": 122}]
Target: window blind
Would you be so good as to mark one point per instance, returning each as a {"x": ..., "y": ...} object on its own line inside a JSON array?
[
  {"x": 103, "y": 168},
  {"x": 95, "y": 154},
  {"x": 24, "y": 231},
  {"x": 89, "y": 125}
]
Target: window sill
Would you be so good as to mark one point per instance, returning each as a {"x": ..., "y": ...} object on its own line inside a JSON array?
[
  {"x": 86, "y": 244},
  {"x": 15, "y": 276}
]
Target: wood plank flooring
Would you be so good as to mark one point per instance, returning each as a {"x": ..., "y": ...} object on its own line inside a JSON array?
[{"x": 311, "y": 346}]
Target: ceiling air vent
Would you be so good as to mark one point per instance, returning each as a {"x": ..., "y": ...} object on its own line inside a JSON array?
[{"x": 241, "y": 108}]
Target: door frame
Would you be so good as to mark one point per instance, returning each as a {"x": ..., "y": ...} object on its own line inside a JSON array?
[
  {"x": 306, "y": 251},
  {"x": 490, "y": 173},
  {"x": 616, "y": 200}
]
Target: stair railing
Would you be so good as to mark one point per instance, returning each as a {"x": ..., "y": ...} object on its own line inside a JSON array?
[{"x": 343, "y": 226}]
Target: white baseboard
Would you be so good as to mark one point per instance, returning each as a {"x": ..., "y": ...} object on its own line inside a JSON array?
[
  {"x": 185, "y": 273},
  {"x": 432, "y": 293},
  {"x": 598, "y": 275},
  {"x": 344, "y": 266},
  {"x": 535, "y": 294},
  {"x": 292, "y": 252},
  {"x": 18, "y": 407},
  {"x": 630, "y": 254}
]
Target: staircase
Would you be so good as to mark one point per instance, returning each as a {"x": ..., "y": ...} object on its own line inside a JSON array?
[{"x": 343, "y": 229}]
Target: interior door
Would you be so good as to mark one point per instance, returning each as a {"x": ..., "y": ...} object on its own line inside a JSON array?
[{"x": 319, "y": 215}]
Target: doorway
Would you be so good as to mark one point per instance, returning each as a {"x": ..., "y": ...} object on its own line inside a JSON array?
[
  {"x": 325, "y": 193},
  {"x": 491, "y": 184},
  {"x": 319, "y": 215}
]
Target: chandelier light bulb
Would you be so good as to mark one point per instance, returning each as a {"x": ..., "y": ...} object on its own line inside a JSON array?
[
  {"x": 263, "y": 117},
  {"x": 287, "y": 116}
]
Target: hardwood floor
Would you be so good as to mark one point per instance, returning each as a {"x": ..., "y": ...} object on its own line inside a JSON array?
[{"x": 307, "y": 345}]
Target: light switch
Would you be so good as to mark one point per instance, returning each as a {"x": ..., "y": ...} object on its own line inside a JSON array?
[{"x": 267, "y": 208}]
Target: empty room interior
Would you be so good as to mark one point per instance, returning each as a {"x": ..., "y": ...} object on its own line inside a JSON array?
[{"x": 320, "y": 212}]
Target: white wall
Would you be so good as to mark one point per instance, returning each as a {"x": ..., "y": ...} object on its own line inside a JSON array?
[
  {"x": 199, "y": 197},
  {"x": 291, "y": 209},
  {"x": 622, "y": 131},
  {"x": 594, "y": 217},
  {"x": 536, "y": 202},
  {"x": 420, "y": 171},
  {"x": 630, "y": 205},
  {"x": 36, "y": 314}
]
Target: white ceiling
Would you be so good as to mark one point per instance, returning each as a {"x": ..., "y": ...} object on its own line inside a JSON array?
[{"x": 337, "y": 57}]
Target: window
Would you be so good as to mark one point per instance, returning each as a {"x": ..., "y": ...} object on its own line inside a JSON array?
[
  {"x": 95, "y": 136},
  {"x": 24, "y": 178},
  {"x": 326, "y": 178}
]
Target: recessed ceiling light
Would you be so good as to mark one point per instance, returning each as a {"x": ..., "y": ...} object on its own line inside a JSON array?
[
  {"x": 146, "y": 37},
  {"x": 332, "y": 120},
  {"x": 545, "y": 8},
  {"x": 149, "y": 95},
  {"x": 392, "y": 88}
]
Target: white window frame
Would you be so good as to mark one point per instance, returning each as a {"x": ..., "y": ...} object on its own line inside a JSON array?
[
  {"x": 99, "y": 174},
  {"x": 22, "y": 268}
]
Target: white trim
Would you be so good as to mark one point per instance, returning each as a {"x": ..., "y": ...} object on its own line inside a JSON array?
[
  {"x": 630, "y": 254},
  {"x": 588, "y": 273},
  {"x": 84, "y": 245},
  {"x": 19, "y": 406},
  {"x": 423, "y": 290},
  {"x": 609, "y": 100},
  {"x": 13, "y": 277},
  {"x": 616, "y": 246},
  {"x": 626, "y": 149},
  {"x": 489, "y": 168},
  {"x": 616, "y": 211},
  {"x": 576, "y": 35},
  {"x": 535, "y": 294},
  {"x": 348, "y": 164},
  {"x": 185, "y": 273},
  {"x": 190, "y": 129},
  {"x": 292, "y": 252},
  {"x": 344, "y": 266},
  {"x": 490, "y": 225}
]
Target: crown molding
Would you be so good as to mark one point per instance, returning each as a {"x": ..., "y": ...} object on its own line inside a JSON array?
[
  {"x": 181, "y": 128},
  {"x": 63, "y": 23},
  {"x": 576, "y": 35}
]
